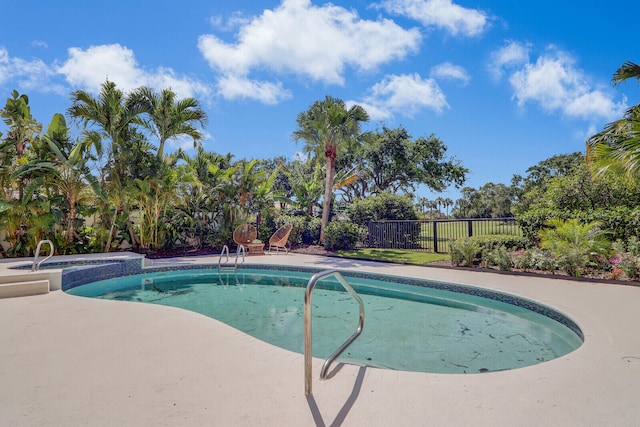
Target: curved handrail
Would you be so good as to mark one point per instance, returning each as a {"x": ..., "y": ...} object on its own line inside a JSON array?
[
  {"x": 243, "y": 250},
  {"x": 225, "y": 249},
  {"x": 36, "y": 264},
  {"x": 307, "y": 326}
]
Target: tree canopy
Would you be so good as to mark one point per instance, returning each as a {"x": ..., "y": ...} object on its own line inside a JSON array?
[{"x": 392, "y": 161}]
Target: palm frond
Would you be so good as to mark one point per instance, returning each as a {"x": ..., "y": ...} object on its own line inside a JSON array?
[{"x": 628, "y": 70}]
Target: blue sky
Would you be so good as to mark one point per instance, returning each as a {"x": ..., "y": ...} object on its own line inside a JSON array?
[{"x": 505, "y": 84}]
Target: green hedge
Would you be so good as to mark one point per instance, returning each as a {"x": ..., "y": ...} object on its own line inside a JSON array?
[
  {"x": 339, "y": 235},
  {"x": 620, "y": 223},
  {"x": 383, "y": 206},
  {"x": 305, "y": 230}
]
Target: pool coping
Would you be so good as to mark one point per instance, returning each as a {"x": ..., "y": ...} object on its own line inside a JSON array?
[{"x": 77, "y": 361}]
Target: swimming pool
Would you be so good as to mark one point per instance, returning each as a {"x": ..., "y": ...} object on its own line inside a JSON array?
[{"x": 410, "y": 324}]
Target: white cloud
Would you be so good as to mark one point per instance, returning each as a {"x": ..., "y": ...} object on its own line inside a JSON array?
[
  {"x": 449, "y": 71},
  {"x": 233, "y": 87},
  {"x": 513, "y": 54},
  {"x": 317, "y": 42},
  {"x": 236, "y": 20},
  {"x": 404, "y": 94},
  {"x": 89, "y": 68},
  {"x": 39, "y": 43},
  {"x": 33, "y": 75},
  {"x": 440, "y": 13},
  {"x": 556, "y": 85}
]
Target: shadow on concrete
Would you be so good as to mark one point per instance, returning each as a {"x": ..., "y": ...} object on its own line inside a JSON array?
[{"x": 348, "y": 404}]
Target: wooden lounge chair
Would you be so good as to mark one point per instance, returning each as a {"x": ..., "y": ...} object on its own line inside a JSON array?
[
  {"x": 280, "y": 238},
  {"x": 244, "y": 234}
]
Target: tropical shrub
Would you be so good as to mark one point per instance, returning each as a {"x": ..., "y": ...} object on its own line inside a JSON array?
[
  {"x": 632, "y": 246},
  {"x": 489, "y": 242},
  {"x": 306, "y": 230},
  {"x": 499, "y": 257},
  {"x": 573, "y": 244},
  {"x": 628, "y": 264},
  {"x": 341, "y": 235},
  {"x": 465, "y": 251},
  {"x": 533, "y": 259},
  {"x": 495, "y": 247}
]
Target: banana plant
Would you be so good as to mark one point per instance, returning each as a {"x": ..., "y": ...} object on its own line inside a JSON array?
[
  {"x": 307, "y": 186},
  {"x": 71, "y": 175}
]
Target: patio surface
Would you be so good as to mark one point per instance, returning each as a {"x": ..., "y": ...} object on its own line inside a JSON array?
[{"x": 72, "y": 361}]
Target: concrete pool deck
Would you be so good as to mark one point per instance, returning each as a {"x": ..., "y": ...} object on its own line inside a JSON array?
[{"x": 72, "y": 361}]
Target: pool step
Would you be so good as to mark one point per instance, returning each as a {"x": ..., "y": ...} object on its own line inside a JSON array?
[{"x": 23, "y": 289}]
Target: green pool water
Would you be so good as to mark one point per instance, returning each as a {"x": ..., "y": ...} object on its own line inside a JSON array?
[{"x": 406, "y": 327}]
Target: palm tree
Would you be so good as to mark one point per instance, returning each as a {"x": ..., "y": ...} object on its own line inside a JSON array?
[
  {"x": 327, "y": 127},
  {"x": 446, "y": 204},
  {"x": 617, "y": 147},
  {"x": 169, "y": 118},
  {"x": 111, "y": 118},
  {"x": 23, "y": 129}
]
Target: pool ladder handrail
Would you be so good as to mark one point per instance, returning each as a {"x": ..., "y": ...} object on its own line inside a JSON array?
[
  {"x": 36, "y": 264},
  {"x": 225, "y": 250},
  {"x": 241, "y": 250},
  {"x": 307, "y": 327}
]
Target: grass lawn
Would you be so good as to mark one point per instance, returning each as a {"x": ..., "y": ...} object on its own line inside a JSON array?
[{"x": 395, "y": 255}]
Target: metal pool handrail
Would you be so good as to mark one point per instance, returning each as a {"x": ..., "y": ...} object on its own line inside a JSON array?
[
  {"x": 225, "y": 250},
  {"x": 307, "y": 326},
  {"x": 36, "y": 264},
  {"x": 243, "y": 250}
]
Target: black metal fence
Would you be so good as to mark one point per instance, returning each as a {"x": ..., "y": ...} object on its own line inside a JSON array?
[{"x": 434, "y": 235}]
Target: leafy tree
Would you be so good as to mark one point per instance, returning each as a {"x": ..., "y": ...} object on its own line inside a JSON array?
[
  {"x": 392, "y": 161},
  {"x": 610, "y": 199},
  {"x": 327, "y": 128},
  {"x": 539, "y": 175},
  {"x": 489, "y": 201},
  {"x": 386, "y": 206},
  {"x": 469, "y": 205}
]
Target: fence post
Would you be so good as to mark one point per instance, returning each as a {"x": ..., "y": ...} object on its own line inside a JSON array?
[
  {"x": 435, "y": 237},
  {"x": 470, "y": 227}
]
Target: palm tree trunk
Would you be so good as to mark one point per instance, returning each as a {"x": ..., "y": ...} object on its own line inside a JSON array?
[
  {"x": 72, "y": 214},
  {"x": 326, "y": 205},
  {"x": 107, "y": 247}
]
